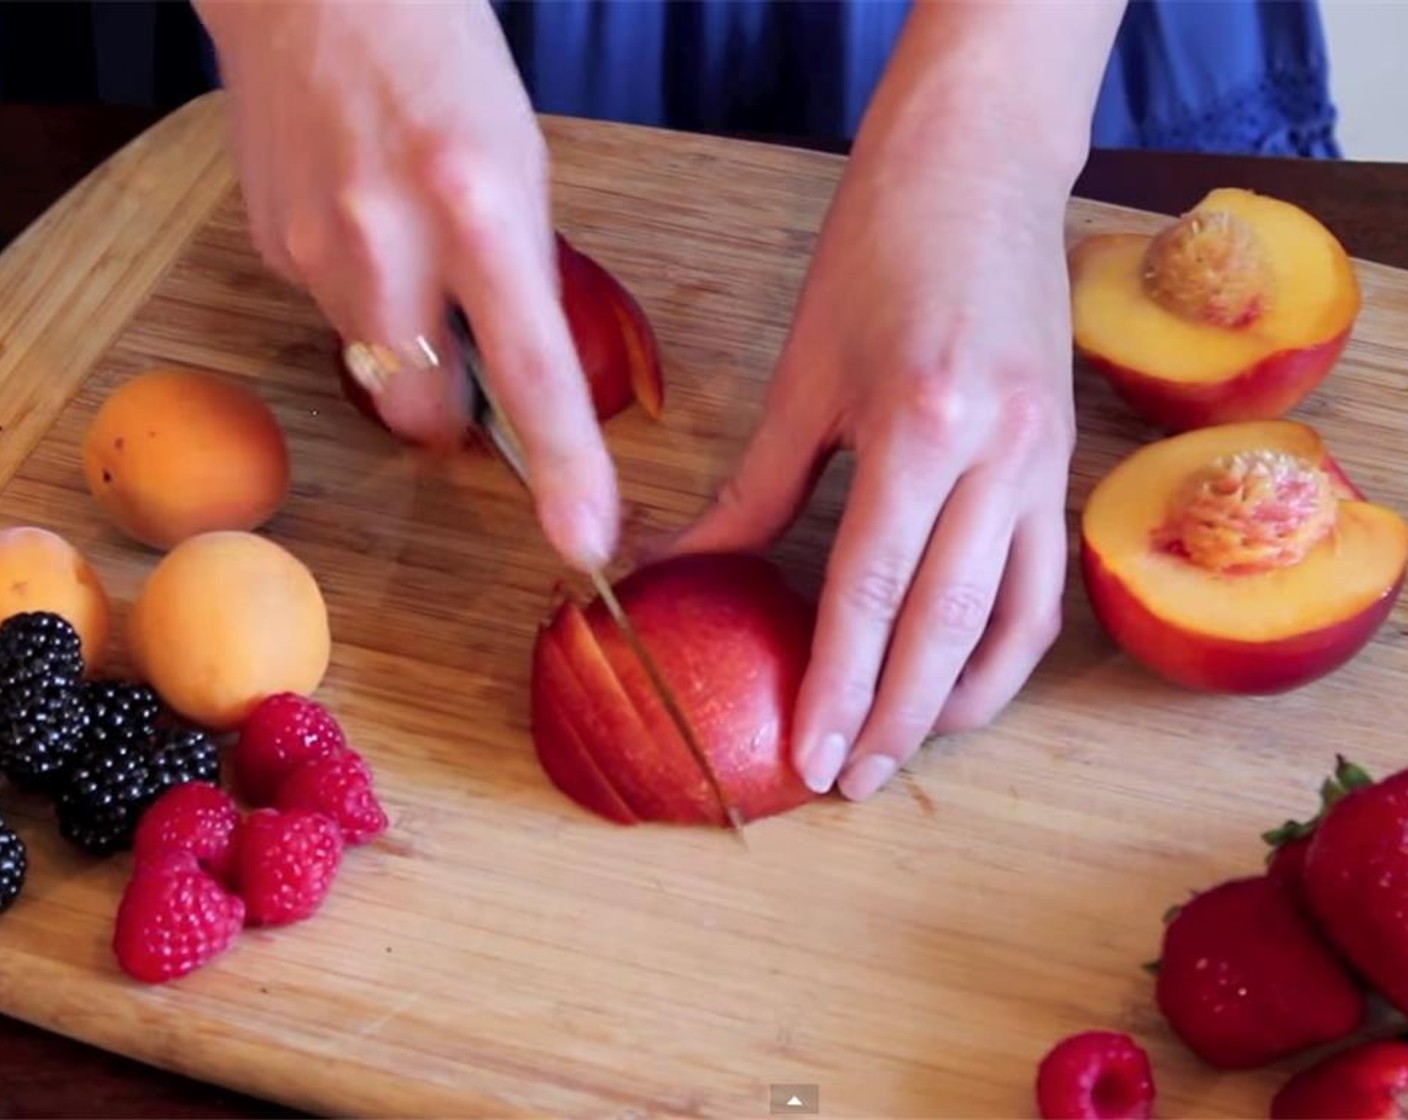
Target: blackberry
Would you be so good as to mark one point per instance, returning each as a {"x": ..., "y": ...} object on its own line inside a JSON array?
[
  {"x": 105, "y": 793},
  {"x": 119, "y": 713},
  {"x": 14, "y": 864},
  {"x": 42, "y": 713}
]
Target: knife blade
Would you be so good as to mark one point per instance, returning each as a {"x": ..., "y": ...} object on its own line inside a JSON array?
[{"x": 489, "y": 418}]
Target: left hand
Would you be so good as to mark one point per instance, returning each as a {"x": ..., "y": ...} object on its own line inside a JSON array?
[{"x": 932, "y": 339}]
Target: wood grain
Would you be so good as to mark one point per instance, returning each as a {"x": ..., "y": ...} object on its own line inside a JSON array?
[{"x": 500, "y": 953}]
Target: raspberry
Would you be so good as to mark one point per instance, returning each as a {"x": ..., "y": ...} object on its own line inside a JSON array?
[
  {"x": 339, "y": 786},
  {"x": 173, "y": 918},
  {"x": 286, "y": 864},
  {"x": 1095, "y": 1075},
  {"x": 195, "y": 817},
  {"x": 282, "y": 731}
]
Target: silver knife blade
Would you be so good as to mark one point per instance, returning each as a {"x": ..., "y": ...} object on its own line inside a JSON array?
[{"x": 485, "y": 413}]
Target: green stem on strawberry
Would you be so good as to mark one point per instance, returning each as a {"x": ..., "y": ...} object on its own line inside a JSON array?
[{"x": 1348, "y": 776}]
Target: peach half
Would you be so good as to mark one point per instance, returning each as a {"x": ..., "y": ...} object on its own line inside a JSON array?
[
  {"x": 613, "y": 336},
  {"x": 1234, "y": 312},
  {"x": 732, "y": 640},
  {"x": 1238, "y": 558}
]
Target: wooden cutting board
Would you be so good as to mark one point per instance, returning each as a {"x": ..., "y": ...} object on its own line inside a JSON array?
[{"x": 500, "y": 953}]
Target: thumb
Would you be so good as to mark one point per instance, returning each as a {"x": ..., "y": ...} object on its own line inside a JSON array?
[{"x": 774, "y": 478}]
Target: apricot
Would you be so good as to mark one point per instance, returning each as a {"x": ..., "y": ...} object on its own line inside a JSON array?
[
  {"x": 1239, "y": 558},
  {"x": 1234, "y": 312},
  {"x": 225, "y": 619},
  {"x": 174, "y": 452},
  {"x": 615, "y": 341},
  {"x": 42, "y": 571},
  {"x": 731, "y": 639}
]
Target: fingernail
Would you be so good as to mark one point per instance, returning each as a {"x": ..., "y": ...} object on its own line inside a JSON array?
[
  {"x": 822, "y": 761},
  {"x": 867, "y": 776},
  {"x": 585, "y": 535}
]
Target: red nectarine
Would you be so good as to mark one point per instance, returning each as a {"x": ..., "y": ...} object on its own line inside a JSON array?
[
  {"x": 1234, "y": 312},
  {"x": 731, "y": 638},
  {"x": 613, "y": 336},
  {"x": 1237, "y": 558}
]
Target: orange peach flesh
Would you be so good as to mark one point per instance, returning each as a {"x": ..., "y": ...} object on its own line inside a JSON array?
[
  {"x": 1347, "y": 568},
  {"x": 1307, "y": 295}
]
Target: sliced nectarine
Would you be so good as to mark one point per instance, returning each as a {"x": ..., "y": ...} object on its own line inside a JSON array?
[
  {"x": 1237, "y": 558},
  {"x": 1236, "y": 311},
  {"x": 615, "y": 341},
  {"x": 731, "y": 639}
]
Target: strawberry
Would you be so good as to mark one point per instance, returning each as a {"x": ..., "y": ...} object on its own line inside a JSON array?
[
  {"x": 281, "y": 732},
  {"x": 1245, "y": 978},
  {"x": 1365, "y": 1082},
  {"x": 1095, "y": 1075},
  {"x": 339, "y": 786},
  {"x": 1356, "y": 882},
  {"x": 195, "y": 817},
  {"x": 1290, "y": 841},
  {"x": 172, "y": 919},
  {"x": 286, "y": 864}
]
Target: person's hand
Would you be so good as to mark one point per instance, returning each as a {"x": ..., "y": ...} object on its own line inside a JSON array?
[
  {"x": 391, "y": 165},
  {"x": 932, "y": 339}
]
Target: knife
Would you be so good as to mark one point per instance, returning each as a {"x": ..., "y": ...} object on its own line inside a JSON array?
[{"x": 489, "y": 419}]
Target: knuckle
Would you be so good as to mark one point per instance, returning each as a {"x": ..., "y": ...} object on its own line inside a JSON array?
[
  {"x": 958, "y": 612},
  {"x": 468, "y": 192},
  {"x": 1024, "y": 421},
  {"x": 876, "y": 592},
  {"x": 932, "y": 409}
]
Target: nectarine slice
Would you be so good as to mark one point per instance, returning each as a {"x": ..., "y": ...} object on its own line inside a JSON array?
[
  {"x": 731, "y": 639},
  {"x": 1236, "y": 558},
  {"x": 1234, "y": 312}
]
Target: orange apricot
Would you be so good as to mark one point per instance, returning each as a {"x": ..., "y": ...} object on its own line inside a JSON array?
[
  {"x": 1236, "y": 311},
  {"x": 42, "y": 571},
  {"x": 225, "y": 619},
  {"x": 174, "y": 452}
]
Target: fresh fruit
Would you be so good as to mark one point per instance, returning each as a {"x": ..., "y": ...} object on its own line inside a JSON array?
[
  {"x": 286, "y": 865},
  {"x": 731, "y": 639},
  {"x": 195, "y": 817},
  {"x": 42, "y": 713},
  {"x": 1245, "y": 978},
  {"x": 42, "y": 573},
  {"x": 174, "y": 452},
  {"x": 1233, "y": 312},
  {"x": 1239, "y": 558},
  {"x": 281, "y": 733},
  {"x": 615, "y": 342},
  {"x": 1356, "y": 882},
  {"x": 172, "y": 919},
  {"x": 338, "y": 786},
  {"x": 1368, "y": 1081},
  {"x": 226, "y": 619},
  {"x": 119, "y": 713},
  {"x": 1290, "y": 841},
  {"x": 105, "y": 792},
  {"x": 1095, "y": 1075},
  {"x": 14, "y": 866}
]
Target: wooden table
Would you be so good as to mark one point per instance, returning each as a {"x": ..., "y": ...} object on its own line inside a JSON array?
[{"x": 45, "y": 150}]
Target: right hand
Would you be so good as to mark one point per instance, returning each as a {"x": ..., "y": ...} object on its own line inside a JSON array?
[{"x": 391, "y": 163}]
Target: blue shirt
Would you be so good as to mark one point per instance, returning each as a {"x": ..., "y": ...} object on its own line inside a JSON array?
[{"x": 1247, "y": 76}]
